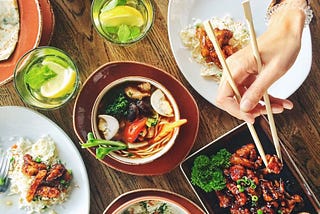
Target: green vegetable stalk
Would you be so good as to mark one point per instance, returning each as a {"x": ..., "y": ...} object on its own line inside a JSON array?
[{"x": 104, "y": 146}]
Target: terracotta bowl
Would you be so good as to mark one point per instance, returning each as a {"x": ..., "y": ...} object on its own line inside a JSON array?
[{"x": 176, "y": 203}]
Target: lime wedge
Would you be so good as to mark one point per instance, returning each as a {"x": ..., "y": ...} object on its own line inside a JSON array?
[
  {"x": 61, "y": 84},
  {"x": 121, "y": 15}
]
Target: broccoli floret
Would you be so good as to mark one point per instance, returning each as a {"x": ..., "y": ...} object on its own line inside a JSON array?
[
  {"x": 221, "y": 159},
  {"x": 207, "y": 172},
  {"x": 119, "y": 107}
]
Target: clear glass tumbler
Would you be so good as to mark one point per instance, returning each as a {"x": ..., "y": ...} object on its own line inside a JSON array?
[{"x": 46, "y": 78}]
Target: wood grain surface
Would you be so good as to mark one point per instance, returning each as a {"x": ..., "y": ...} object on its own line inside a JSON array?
[{"x": 75, "y": 34}]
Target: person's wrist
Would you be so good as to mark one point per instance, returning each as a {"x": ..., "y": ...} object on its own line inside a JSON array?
[{"x": 298, "y": 9}]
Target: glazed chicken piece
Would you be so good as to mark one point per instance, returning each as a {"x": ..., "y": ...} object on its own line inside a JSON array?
[
  {"x": 236, "y": 172},
  {"x": 274, "y": 164},
  {"x": 224, "y": 199},
  {"x": 247, "y": 151},
  {"x": 30, "y": 167},
  {"x": 35, "y": 183},
  {"x": 48, "y": 192},
  {"x": 207, "y": 50},
  {"x": 239, "y": 210},
  {"x": 55, "y": 172},
  {"x": 269, "y": 191},
  {"x": 237, "y": 160}
]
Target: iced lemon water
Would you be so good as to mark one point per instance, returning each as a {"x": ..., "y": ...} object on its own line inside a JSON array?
[
  {"x": 46, "y": 78},
  {"x": 122, "y": 21}
]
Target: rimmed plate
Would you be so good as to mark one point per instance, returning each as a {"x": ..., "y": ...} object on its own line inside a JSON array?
[
  {"x": 187, "y": 106},
  {"x": 182, "y": 13},
  {"x": 16, "y": 122},
  {"x": 162, "y": 195},
  {"x": 29, "y": 36},
  {"x": 48, "y": 21},
  {"x": 295, "y": 183}
]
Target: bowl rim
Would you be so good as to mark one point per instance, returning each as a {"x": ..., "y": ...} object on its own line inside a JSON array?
[
  {"x": 148, "y": 198},
  {"x": 185, "y": 203},
  {"x": 135, "y": 78}
]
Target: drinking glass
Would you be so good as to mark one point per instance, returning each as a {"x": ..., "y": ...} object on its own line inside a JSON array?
[
  {"x": 46, "y": 78},
  {"x": 122, "y": 22}
]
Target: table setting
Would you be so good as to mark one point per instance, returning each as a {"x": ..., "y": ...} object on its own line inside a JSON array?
[{"x": 107, "y": 106}]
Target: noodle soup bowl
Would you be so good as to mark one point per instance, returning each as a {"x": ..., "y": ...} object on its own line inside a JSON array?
[{"x": 149, "y": 105}]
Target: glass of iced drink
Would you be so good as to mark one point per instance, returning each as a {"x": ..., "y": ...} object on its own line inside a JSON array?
[
  {"x": 46, "y": 78},
  {"x": 122, "y": 21}
]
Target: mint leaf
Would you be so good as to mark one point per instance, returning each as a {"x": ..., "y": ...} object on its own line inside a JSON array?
[
  {"x": 135, "y": 32},
  {"x": 122, "y": 2},
  {"x": 111, "y": 30},
  {"x": 124, "y": 33},
  {"x": 38, "y": 75}
]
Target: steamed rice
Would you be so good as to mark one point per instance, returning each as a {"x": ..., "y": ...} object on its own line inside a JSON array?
[
  {"x": 45, "y": 149},
  {"x": 188, "y": 37}
]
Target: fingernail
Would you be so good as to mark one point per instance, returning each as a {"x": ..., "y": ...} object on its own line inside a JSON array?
[
  {"x": 288, "y": 105},
  {"x": 245, "y": 105}
]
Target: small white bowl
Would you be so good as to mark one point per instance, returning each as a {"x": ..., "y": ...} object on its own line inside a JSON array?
[{"x": 97, "y": 106}]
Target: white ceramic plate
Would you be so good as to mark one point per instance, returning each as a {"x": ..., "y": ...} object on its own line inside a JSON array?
[
  {"x": 16, "y": 122},
  {"x": 182, "y": 13}
]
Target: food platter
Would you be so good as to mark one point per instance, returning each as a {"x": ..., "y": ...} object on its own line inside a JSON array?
[
  {"x": 29, "y": 37},
  {"x": 109, "y": 72},
  {"x": 19, "y": 122},
  {"x": 294, "y": 181},
  {"x": 182, "y": 13},
  {"x": 145, "y": 194}
]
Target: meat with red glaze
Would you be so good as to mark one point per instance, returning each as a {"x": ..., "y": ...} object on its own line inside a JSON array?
[
  {"x": 249, "y": 187},
  {"x": 207, "y": 50}
]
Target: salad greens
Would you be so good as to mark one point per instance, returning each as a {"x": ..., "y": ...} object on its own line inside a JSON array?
[
  {"x": 104, "y": 146},
  {"x": 207, "y": 172},
  {"x": 119, "y": 107}
]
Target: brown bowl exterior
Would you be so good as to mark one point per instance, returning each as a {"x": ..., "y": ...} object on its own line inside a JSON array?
[
  {"x": 186, "y": 103},
  {"x": 233, "y": 140}
]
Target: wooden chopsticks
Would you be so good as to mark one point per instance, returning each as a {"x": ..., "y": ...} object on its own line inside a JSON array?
[
  {"x": 254, "y": 45},
  {"x": 210, "y": 32},
  {"x": 209, "y": 29}
]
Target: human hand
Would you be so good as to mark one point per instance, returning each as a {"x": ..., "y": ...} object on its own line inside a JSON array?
[{"x": 278, "y": 48}]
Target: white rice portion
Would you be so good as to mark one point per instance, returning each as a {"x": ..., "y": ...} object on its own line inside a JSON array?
[
  {"x": 45, "y": 149},
  {"x": 188, "y": 37}
]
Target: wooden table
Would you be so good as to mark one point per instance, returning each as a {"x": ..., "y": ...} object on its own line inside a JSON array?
[{"x": 75, "y": 34}]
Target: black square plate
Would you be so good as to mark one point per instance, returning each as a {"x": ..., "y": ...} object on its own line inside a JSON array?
[{"x": 233, "y": 140}]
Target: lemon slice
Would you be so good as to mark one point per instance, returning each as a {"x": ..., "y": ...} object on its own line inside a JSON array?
[
  {"x": 160, "y": 104},
  {"x": 121, "y": 15},
  {"x": 61, "y": 84}
]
